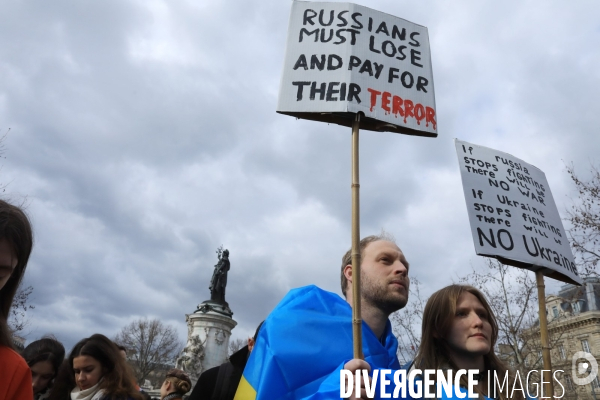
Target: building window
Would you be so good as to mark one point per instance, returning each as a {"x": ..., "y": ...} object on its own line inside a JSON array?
[
  {"x": 585, "y": 345},
  {"x": 555, "y": 311},
  {"x": 561, "y": 352},
  {"x": 576, "y": 307},
  {"x": 569, "y": 382}
]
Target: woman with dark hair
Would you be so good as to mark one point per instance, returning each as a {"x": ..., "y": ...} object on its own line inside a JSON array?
[
  {"x": 459, "y": 332},
  {"x": 16, "y": 242},
  {"x": 44, "y": 358},
  {"x": 95, "y": 370},
  {"x": 63, "y": 383}
]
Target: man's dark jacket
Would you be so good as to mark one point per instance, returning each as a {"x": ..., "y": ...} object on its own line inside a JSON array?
[{"x": 220, "y": 383}]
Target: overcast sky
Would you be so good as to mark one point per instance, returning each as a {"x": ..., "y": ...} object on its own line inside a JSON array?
[{"x": 143, "y": 135}]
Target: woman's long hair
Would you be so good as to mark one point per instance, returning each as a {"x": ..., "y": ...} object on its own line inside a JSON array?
[
  {"x": 438, "y": 317},
  {"x": 45, "y": 349},
  {"x": 15, "y": 228},
  {"x": 117, "y": 381},
  {"x": 64, "y": 382}
]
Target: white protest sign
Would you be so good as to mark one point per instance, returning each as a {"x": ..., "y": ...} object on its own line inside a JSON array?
[
  {"x": 512, "y": 213},
  {"x": 342, "y": 58}
]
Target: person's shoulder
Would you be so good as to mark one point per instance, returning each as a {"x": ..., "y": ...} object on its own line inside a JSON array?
[
  {"x": 7, "y": 352},
  {"x": 10, "y": 357},
  {"x": 209, "y": 374},
  {"x": 205, "y": 384},
  {"x": 308, "y": 301},
  {"x": 305, "y": 290},
  {"x": 15, "y": 379},
  {"x": 310, "y": 293},
  {"x": 239, "y": 358}
]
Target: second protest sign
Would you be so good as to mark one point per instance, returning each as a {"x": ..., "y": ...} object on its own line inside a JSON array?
[{"x": 512, "y": 213}]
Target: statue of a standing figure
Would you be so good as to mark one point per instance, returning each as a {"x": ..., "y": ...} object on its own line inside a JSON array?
[{"x": 219, "y": 278}]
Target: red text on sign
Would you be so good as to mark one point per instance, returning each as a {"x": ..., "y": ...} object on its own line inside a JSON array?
[{"x": 404, "y": 107}]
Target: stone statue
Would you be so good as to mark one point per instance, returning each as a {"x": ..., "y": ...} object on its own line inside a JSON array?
[
  {"x": 191, "y": 357},
  {"x": 219, "y": 278}
]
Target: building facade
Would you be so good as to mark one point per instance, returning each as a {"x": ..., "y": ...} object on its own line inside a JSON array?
[{"x": 574, "y": 326}]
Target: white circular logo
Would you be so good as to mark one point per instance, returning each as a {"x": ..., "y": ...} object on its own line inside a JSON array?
[{"x": 583, "y": 367}]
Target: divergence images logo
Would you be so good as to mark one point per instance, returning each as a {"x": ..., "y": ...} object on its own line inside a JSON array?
[{"x": 582, "y": 367}]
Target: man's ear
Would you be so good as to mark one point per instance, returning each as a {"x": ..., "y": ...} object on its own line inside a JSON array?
[{"x": 348, "y": 273}]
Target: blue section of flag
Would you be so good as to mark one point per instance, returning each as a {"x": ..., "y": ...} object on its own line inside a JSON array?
[{"x": 305, "y": 342}]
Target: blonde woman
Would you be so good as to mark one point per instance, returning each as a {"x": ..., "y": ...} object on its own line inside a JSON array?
[
  {"x": 177, "y": 383},
  {"x": 459, "y": 332}
]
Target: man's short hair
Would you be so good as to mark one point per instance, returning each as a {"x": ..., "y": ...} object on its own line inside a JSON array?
[{"x": 347, "y": 259}]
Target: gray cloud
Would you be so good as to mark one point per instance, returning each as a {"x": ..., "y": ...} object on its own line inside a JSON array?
[{"x": 144, "y": 135}]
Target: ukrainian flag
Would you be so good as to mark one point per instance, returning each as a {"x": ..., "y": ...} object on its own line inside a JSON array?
[{"x": 302, "y": 346}]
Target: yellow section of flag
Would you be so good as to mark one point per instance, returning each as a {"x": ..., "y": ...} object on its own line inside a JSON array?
[{"x": 245, "y": 391}]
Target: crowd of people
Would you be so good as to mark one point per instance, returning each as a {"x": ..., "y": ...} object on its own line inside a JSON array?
[
  {"x": 95, "y": 369},
  {"x": 298, "y": 352},
  {"x": 305, "y": 343}
]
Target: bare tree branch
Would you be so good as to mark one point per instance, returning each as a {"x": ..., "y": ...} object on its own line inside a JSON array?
[
  {"x": 407, "y": 324},
  {"x": 17, "y": 319},
  {"x": 150, "y": 345},
  {"x": 584, "y": 217},
  {"x": 235, "y": 345}
]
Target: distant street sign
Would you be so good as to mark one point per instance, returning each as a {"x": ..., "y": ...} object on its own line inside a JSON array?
[
  {"x": 512, "y": 213},
  {"x": 342, "y": 58}
]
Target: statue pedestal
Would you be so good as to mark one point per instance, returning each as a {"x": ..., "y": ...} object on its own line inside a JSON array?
[{"x": 209, "y": 330}]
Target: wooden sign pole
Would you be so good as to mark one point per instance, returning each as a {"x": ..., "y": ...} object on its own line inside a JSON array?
[
  {"x": 548, "y": 387},
  {"x": 356, "y": 315}
]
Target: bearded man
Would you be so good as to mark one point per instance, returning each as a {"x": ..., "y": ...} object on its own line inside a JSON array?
[{"x": 307, "y": 340}]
